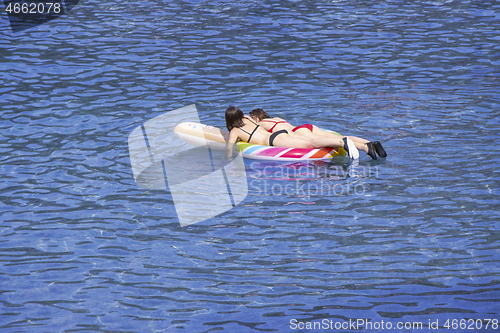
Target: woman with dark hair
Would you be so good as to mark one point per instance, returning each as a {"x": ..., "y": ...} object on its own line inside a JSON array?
[
  {"x": 312, "y": 131},
  {"x": 246, "y": 129}
]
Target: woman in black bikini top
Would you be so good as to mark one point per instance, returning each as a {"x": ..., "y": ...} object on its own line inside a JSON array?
[
  {"x": 254, "y": 130},
  {"x": 234, "y": 119}
]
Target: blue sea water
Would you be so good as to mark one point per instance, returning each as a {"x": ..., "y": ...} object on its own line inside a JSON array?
[{"x": 413, "y": 238}]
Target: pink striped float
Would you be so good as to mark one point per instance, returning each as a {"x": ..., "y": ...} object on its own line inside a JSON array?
[{"x": 213, "y": 137}]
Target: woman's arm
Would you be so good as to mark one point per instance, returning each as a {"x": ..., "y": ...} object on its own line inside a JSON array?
[{"x": 231, "y": 141}]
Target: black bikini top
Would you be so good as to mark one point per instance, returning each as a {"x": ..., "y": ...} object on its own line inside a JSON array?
[{"x": 254, "y": 130}]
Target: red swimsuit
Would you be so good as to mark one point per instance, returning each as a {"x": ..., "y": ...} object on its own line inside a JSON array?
[
  {"x": 275, "y": 123},
  {"x": 308, "y": 126}
]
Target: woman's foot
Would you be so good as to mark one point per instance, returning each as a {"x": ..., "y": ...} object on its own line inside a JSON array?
[
  {"x": 351, "y": 149},
  {"x": 371, "y": 150},
  {"x": 379, "y": 149}
]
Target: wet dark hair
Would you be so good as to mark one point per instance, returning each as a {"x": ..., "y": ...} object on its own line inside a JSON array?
[
  {"x": 259, "y": 114},
  {"x": 234, "y": 118}
]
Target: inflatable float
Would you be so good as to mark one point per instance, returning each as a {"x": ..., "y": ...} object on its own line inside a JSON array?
[{"x": 212, "y": 137}]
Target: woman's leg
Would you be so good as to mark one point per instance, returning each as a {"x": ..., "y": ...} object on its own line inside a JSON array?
[
  {"x": 337, "y": 142},
  {"x": 318, "y": 131},
  {"x": 360, "y": 143},
  {"x": 296, "y": 141},
  {"x": 288, "y": 141},
  {"x": 321, "y": 138}
]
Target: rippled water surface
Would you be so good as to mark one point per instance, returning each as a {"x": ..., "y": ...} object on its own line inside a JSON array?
[{"x": 412, "y": 238}]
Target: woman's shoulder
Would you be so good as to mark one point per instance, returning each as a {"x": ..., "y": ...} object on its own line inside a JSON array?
[
  {"x": 278, "y": 119},
  {"x": 234, "y": 134}
]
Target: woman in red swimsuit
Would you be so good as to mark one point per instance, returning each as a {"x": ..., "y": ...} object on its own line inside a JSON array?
[
  {"x": 312, "y": 131},
  {"x": 246, "y": 129}
]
